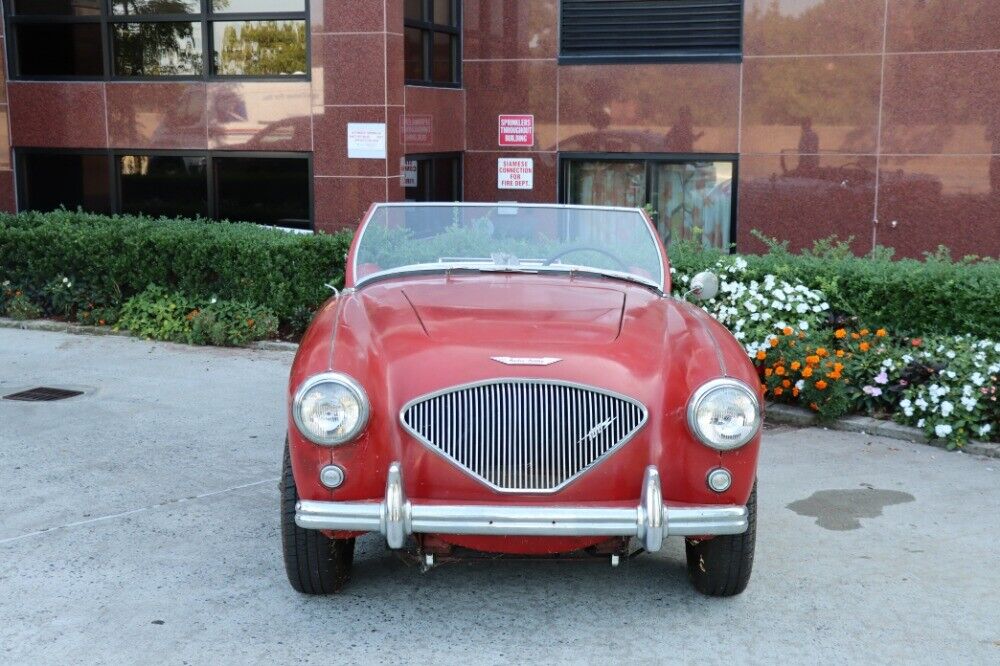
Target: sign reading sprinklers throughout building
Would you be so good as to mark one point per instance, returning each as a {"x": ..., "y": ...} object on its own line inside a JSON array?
[
  {"x": 517, "y": 131},
  {"x": 366, "y": 141},
  {"x": 515, "y": 173}
]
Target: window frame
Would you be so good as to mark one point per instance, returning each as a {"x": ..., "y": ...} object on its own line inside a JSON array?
[
  {"x": 430, "y": 157},
  {"x": 427, "y": 30},
  {"x": 652, "y": 56},
  {"x": 650, "y": 162},
  {"x": 114, "y": 173},
  {"x": 206, "y": 18}
]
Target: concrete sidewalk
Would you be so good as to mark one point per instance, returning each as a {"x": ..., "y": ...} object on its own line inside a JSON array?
[{"x": 140, "y": 525}]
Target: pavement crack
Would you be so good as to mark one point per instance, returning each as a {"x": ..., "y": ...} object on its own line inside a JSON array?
[{"x": 123, "y": 514}]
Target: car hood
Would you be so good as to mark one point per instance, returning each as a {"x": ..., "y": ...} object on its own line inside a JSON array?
[{"x": 512, "y": 311}]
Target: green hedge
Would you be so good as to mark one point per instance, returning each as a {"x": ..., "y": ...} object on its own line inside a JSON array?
[
  {"x": 911, "y": 297},
  {"x": 115, "y": 258}
]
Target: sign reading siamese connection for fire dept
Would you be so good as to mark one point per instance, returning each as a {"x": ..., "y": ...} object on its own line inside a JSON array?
[
  {"x": 517, "y": 131},
  {"x": 515, "y": 173}
]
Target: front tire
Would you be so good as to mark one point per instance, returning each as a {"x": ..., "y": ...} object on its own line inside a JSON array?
[
  {"x": 721, "y": 566},
  {"x": 314, "y": 563}
]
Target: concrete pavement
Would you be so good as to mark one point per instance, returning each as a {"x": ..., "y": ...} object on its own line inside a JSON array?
[{"x": 139, "y": 524}]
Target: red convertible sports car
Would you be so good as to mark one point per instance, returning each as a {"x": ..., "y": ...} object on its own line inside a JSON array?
[{"x": 518, "y": 379}]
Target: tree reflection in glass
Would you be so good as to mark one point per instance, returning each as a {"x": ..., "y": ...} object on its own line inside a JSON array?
[
  {"x": 157, "y": 49},
  {"x": 260, "y": 48}
]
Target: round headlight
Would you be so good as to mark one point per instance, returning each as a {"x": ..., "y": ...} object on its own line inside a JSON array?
[
  {"x": 330, "y": 409},
  {"x": 724, "y": 414}
]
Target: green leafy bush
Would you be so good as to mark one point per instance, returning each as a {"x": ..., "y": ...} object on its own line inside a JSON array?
[
  {"x": 164, "y": 315},
  {"x": 108, "y": 260},
  {"x": 911, "y": 297}
]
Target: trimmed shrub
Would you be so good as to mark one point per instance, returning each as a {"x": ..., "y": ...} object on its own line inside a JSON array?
[{"x": 108, "y": 260}]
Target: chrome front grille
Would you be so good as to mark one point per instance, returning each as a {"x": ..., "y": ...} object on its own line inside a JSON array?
[{"x": 524, "y": 435}]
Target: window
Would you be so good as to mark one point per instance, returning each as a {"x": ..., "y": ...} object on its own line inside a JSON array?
[
  {"x": 432, "y": 50},
  {"x": 436, "y": 177},
  {"x": 650, "y": 30},
  {"x": 266, "y": 188},
  {"x": 691, "y": 198},
  {"x": 141, "y": 39}
]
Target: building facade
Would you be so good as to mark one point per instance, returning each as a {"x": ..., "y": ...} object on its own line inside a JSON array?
[{"x": 875, "y": 120}]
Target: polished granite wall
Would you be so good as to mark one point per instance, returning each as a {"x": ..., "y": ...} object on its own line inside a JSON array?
[{"x": 902, "y": 96}]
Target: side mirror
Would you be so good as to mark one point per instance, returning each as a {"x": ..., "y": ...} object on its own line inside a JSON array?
[{"x": 704, "y": 286}]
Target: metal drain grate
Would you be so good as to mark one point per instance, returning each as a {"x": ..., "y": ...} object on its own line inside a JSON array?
[{"x": 43, "y": 394}]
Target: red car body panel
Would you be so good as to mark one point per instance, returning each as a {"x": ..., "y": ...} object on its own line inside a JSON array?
[{"x": 407, "y": 336}]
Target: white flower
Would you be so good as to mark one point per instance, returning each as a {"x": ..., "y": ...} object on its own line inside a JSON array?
[
  {"x": 921, "y": 403},
  {"x": 920, "y": 423},
  {"x": 740, "y": 264},
  {"x": 804, "y": 325},
  {"x": 950, "y": 354},
  {"x": 977, "y": 379},
  {"x": 947, "y": 408},
  {"x": 969, "y": 404},
  {"x": 905, "y": 402},
  {"x": 985, "y": 429},
  {"x": 942, "y": 430},
  {"x": 799, "y": 384}
]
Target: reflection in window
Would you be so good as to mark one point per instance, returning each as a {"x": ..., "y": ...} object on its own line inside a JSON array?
[
  {"x": 163, "y": 185},
  {"x": 51, "y": 180},
  {"x": 257, "y": 6},
  {"x": 690, "y": 200},
  {"x": 57, "y": 7},
  {"x": 259, "y": 48},
  {"x": 59, "y": 49},
  {"x": 267, "y": 191},
  {"x": 157, "y": 49},
  {"x": 433, "y": 178},
  {"x": 152, "y": 7},
  {"x": 431, "y": 43},
  {"x": 695, "y": 200}
]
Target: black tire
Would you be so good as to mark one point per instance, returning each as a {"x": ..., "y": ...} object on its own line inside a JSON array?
[
  {"x": 721, "y": 566},
  {"x": 314, "y": 563}
]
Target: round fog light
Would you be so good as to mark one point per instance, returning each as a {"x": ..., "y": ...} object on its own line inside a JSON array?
[
  {"x": 719, "y": 480},
  {"x": 331, "y": 476}
]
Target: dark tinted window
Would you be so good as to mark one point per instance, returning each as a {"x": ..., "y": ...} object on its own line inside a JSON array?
[
  {"x": 267, "y": 191},
  {"x": 431, "y": 42},
  {"x": 259, "y": 48},
  {"x": 163, "y": 185},
  {"x": 157, "y": 49},
  {"x": 53, "y": 180},
  {"x": 59, "y": 49},
  {"x": 434, "y": 178},
  {"x": 58, "y": 7},
  {"x": 152, "y": 7}
]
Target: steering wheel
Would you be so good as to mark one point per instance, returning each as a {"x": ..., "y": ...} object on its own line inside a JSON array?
[{"x": 588, "y": 248}]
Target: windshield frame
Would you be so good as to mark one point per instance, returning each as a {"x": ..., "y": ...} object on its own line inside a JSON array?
[{"x": 445, "y": 267}]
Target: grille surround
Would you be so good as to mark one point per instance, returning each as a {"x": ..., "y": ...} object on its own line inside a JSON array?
[{"x": 559, "y": 455}]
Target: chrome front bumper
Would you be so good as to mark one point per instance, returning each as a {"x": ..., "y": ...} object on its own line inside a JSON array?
[{"x": 396, "y": 517}]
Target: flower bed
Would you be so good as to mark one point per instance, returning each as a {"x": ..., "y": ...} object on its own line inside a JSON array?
[{"x": 835, "y": 363}]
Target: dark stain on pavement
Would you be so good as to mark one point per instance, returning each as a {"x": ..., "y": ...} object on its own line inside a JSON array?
[{"x": 843, "y": 509}]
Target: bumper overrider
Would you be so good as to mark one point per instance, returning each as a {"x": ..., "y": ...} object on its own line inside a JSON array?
[{"x": 396, "y": 517}]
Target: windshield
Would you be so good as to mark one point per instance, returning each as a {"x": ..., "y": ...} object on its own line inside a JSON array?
[{"x": 615, "y": 242}]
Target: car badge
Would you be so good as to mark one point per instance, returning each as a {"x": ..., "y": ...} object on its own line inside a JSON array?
[
  {"x": 523, "y": 360},
  {"x": 596, "y": 431}
]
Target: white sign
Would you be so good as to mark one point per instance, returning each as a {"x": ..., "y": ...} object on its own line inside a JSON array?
[
  {"x": 366, "y": 141},
  {"x": 409, "y": 173},
  {"x": 515, "y": 173}
]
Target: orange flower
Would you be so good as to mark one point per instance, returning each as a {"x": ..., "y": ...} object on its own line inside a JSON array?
[
  {"x": 833, "y": 375},
  {"x": 780, "y": 370},
  {"x": 841, "y": 333},
  {"x": 864, "y": 346},
  {"x": 916, "y": 342},
  {"x": 768, "y": 372},
  {"x": 763, "y": 388},
  {"x": 838, "y": 367},
  {"x": 787, "y": 330},
  {"x": 787, "y": 383},
  {"x": 101, "y": 322},
  {"x": 250, "y": 323},
  {"x": 807, "y": 372},
  {"x": 774, "y": 342},
  {"x": 795, "y": 393},
  {"x": 813, "y": 406},
  {"x": 840, "y": 353},
  {"x": 881, "y": 333},
  {"x": 855, "y": 336},
  {"x": 812, "y": 360},
  {"x": 796, "y": 365},
  {"x": 821, "y": 351},
  {"x": 821, "y": 385},
  {"x": 761, "y": 355},
  {"x": 778, "y": 391},
  {"x": 865, "y": 332}
]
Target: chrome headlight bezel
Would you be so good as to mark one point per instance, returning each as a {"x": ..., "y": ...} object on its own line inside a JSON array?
[
  {"x": 705, "y": 391},
  {"x": 345, "y": 381}
]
